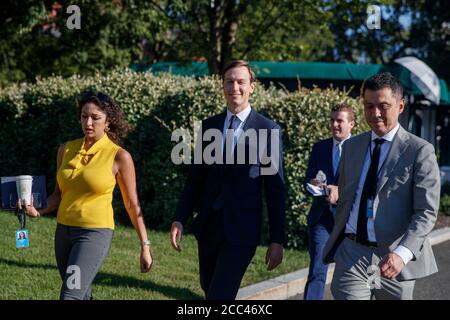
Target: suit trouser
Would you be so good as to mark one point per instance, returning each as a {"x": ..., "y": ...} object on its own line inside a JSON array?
[
  {"x": 80, "y": 253},
  {"x": 222, "y": 265},
  {"x": 356, "y": 276},
  {"x": 317, "y": 275}
]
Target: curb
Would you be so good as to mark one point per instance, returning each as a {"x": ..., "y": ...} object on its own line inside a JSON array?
[{"x": 292, "y": 284}]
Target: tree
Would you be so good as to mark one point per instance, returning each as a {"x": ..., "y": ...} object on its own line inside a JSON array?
[
  {"x": 253, "y": 29},
  {"x": 35, "y": 40},
  {"x": 115, "y": 33},
  {"x": 420, "y": 28},
  {"x": 16, "y": 19}
]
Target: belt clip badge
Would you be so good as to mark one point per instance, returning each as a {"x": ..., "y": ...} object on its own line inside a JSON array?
[{"x": 22, "y": 239}]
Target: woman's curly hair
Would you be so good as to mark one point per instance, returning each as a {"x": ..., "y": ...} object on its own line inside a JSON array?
[{"x": 118, "y": 126}]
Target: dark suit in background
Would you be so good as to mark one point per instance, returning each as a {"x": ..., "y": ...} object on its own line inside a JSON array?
[
  {"x": 325, "y": 157},
  {"x": 320, "y": 219}
]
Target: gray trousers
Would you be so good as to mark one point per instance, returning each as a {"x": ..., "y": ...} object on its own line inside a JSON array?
[
  {"x": 357, "y": 277},
  {"x": 80, "y": 252}
]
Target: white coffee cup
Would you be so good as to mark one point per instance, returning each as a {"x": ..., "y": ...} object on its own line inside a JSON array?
[{"x": 24, "y": 185}]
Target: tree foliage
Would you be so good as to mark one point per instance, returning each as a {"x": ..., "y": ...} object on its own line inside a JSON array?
[
  {"x": 114, "y": 33},
  {"x": 36, "y": 41},
  {"x": 420, "y": 28}
]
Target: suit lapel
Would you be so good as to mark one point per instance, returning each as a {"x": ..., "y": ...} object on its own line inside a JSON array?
[
  {"x": 355, "y": 156},
  {"x": 250, "y": 121},
  {"x": 217, "y": 123},
  {"x": 328, "y": 154},
  {"x": 220, "y": 120},
  {"x": 359, "y": 155},
  {"x": 398, "y": 147}
]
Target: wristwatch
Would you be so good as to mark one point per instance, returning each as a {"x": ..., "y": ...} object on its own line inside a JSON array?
[{"x": 145, "y": 243}]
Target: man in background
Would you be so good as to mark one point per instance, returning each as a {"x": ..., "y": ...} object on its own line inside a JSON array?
[{"x": 325, "y": 157}]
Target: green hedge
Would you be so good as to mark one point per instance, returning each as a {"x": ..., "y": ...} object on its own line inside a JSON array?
[
  {"x": 37, "y": 118},
  {"x": 444, "y": 204}
]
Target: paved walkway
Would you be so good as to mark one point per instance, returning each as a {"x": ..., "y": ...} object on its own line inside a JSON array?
[{"x": 291, "y": 286}]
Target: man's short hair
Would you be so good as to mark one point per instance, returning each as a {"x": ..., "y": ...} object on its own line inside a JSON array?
[
  {"x": 343, "y": 106},
  {"x": 236, "y": 64},
  {"x": 381, "y": 81}
]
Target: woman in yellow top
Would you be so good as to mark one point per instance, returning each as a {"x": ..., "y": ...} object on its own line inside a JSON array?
[{"x": 87, "y": 171}]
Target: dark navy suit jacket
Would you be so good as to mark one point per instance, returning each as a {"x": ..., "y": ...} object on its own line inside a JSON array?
[
  {"x": 320, "y": 159},
  {"x": 242, "y": 186}
]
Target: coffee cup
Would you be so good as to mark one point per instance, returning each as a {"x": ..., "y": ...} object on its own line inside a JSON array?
[{"x": 24, "y": 185}]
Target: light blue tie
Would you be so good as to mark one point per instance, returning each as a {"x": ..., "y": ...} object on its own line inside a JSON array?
[
  {"x": 337, "y": 157},
  {"x": 234, "y": 124}
]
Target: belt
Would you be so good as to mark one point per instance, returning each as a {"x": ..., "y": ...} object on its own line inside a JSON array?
[{"x": 366, "y": 243}]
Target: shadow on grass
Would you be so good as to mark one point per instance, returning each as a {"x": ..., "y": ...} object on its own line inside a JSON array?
[
  {"x": 114, "y": 280},
  {"x": 24, "y": 264}
]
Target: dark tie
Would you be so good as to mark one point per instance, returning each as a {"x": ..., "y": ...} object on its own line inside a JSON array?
[
  {"x": 368, "y": 192},
  {"x": 234, "y": 124}
]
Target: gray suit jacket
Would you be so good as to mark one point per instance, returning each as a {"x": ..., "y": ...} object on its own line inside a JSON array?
[{"x": 406, "y": 202}]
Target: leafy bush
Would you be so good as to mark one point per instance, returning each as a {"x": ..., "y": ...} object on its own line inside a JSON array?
[
  {"x": 444, "y": 205},
  {"x": 445, "y": 188},
  {"x": 37, "y": 118}
]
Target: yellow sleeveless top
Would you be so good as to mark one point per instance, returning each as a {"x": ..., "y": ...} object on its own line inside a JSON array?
[{"x": 86, "y": 182}]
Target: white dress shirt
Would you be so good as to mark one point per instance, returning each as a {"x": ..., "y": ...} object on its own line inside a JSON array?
[
  {"x": 352, "y": 222},
  {"x": 242, "y": 116}
]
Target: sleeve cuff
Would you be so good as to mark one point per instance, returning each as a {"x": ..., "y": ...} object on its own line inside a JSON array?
[{"x": 404, "y": 253}]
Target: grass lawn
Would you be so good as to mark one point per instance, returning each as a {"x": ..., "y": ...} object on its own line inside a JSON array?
[{"x": 31, "y": 273}]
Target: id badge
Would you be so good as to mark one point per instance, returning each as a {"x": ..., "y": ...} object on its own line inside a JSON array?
[
  {"x": 370, "y": 208},
  {"x": 22, "y": 239}
]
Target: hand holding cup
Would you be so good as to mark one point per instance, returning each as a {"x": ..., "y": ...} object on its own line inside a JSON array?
[
  {"x": 30, "y": 210},
  {"x": 24, "y": 185}
]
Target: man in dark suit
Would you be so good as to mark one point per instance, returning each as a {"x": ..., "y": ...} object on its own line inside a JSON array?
[
  {"x": 325, "y": 157},
  {"x": 389, "y": 187},
  {"x": 227, "y": 197}
]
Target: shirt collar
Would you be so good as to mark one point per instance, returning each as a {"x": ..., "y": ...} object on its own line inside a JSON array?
[
  {"x": 388, "y": 136},
  {"x": 335, "y": 142},
  {"x": 96, "y": 146},
  {"x": 241, "y": 115},
  {"x": 82, "y": 157}
]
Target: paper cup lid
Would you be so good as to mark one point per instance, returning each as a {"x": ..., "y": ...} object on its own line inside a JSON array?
[{"x": 24, "y": 177}]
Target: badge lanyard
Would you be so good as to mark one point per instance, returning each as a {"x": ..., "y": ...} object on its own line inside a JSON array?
[
  {"x": 22, "y": 218},
  {"x": 21, "y": 234}
]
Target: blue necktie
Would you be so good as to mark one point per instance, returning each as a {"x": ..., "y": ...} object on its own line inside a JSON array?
[
  {"x": 336, "y": 160},
  {"x": 234, "y": 124},
  {"x": 336, "y": 157}
]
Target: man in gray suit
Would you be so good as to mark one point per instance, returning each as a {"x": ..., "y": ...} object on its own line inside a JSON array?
[{"x": 388, "y": 201}]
